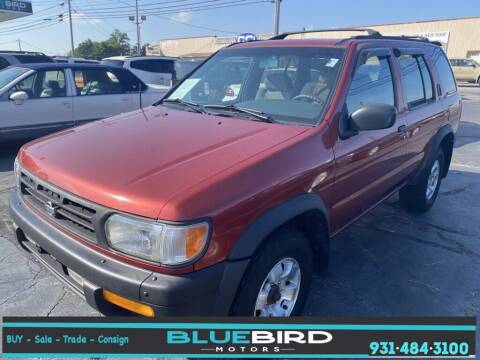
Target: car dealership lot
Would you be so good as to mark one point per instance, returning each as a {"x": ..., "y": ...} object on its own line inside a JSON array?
[{"x": 388, "y": 263}]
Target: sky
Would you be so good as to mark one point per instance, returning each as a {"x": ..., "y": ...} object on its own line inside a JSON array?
[{"x": 96, "y": 19}]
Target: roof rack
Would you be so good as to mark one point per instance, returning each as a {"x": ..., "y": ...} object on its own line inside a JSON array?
[
  {"x": 21, "y": 52},
  {"x": 393, "y": 37},
  {"x": 370, "y": 32}
]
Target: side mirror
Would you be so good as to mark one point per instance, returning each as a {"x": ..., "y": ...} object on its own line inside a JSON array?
[
  {"x": 19, "y": 97},
  {"x": 374, "y": 117}
]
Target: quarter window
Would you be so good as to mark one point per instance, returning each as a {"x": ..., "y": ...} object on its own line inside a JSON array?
[
  {"x": 427, "y": 79},
  {"x": 372, "y": 83}
]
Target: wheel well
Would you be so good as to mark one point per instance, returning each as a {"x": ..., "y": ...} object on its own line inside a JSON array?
[
  {"x": 447, "y": 147},
  {"x": 313, "y": 225}
]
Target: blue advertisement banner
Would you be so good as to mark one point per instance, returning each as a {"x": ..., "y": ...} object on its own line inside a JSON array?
[{"x": 237, "y": 338}]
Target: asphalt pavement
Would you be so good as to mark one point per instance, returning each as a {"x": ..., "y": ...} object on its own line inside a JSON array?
[{"x": 390, "y": 263}]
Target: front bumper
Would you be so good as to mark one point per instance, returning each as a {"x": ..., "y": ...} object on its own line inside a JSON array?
[{"x": 205, "y": 292}]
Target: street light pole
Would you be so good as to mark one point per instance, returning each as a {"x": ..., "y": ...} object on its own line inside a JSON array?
[
  {"x": 72, "y": 44},
  {"x": 277, "y": 17},
  {"x": 139, "y": 50}
]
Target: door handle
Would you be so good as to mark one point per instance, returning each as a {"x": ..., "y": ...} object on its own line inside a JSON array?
[{"x": 402, "y": 130}]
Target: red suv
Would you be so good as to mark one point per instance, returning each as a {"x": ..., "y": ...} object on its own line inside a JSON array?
[{"x": 222, "y": 199}]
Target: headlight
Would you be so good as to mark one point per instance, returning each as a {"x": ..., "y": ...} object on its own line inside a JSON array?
[
  {"x": 163, "y": 243},
  {"x": 16, "y": 171}
]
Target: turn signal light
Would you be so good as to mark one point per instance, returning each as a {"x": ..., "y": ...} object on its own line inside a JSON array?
[{"x": 128, "y": 304}]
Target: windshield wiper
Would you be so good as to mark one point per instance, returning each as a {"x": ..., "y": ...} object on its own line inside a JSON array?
[
  {"x": 191, "y": 105},
  {"x": 255, "y": 113}
]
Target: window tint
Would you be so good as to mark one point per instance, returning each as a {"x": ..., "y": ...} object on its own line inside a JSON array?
[
  {"x": 154, "y": 65},
  {"x": 118, "y": 63},
  {"x": 3, "y": 63},
  {"x": 96, "y": 82},
  {"x": 412, "y": 80},
  {"x": 372, "y": 83},
  {"x": 440, "y": 62},
  {"x": 427, "y": 79}
]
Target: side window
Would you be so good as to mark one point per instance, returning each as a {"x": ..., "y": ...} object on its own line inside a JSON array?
[
  {"x": 154, "y": 65},
  {"x": 444, "y": 71},
  {"x": 51, "y": 84},
  {"x": 427, "y": 79},
  {"x": 372, "y": 83},
  {"x": 412, "y": 79},
  {"x": 27, "y": 85},
  {"x": 97, "y": 82},
  {"x": 3, "y": 63}
]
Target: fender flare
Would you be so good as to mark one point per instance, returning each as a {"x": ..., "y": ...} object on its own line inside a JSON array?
[
  {"x": 256, "y": 232},
  {"x": 432, "y": 151}
]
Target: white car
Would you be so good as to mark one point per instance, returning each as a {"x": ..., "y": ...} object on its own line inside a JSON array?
[
  {"x": 74, "y": 60},
  {"x": 153, "y": 70},
  {"x": 38, "y": 99}
]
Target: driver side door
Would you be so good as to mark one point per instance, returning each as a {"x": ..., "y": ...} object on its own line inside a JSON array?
[
  {"x": 368, "y": 163},
  {"x": 47, "y": 109}
]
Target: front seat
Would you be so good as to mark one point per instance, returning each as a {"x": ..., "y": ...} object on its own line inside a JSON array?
[
  {"x": 278, "y": 82},
  {"x": 53, "y": 89}
]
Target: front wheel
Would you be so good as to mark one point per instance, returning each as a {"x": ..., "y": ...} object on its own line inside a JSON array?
[
  {"x": 420, "y": 197},
  {"x": 277, "y": 281}
]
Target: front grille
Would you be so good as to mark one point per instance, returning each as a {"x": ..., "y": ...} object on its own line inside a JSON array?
[{"x": 62, "y": 208}]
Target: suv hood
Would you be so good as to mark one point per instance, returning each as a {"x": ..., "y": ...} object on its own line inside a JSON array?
[{"x": 137, "y": 162}]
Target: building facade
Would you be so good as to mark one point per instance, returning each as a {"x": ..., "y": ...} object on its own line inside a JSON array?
[{"x": 460, "y": 38}]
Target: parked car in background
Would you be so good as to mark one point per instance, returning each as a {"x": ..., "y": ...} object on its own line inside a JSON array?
[
  {"x": 8, "y": 58},
  {"x": 203, "y": 205},
  {"x": 153, "y": 70},
  {"x": 37, "y": 99},
  {"x": 185, "y": 66},
  {"x": 467, "y": 70},
  {"x": 73, "y": 60}
]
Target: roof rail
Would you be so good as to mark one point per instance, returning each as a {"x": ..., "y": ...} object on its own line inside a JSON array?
[
  {"x": 399, "y": 37},
  {"x": 21, "y": 52},
  {"x": 370, "y": 32}
]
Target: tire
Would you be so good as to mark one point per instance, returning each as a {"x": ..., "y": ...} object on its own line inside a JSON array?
[
  {"x": 286, "y": 247},
  {"x": 419, "y": 198}
]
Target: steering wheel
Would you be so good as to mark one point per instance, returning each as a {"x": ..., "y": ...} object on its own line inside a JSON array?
[{"x": 308, "y": 98}]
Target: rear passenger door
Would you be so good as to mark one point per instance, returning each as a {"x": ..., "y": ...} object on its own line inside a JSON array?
[
  {"x": 369, "y": 165},
  {"x": 426, "y": 106},
  {"x": 100, "y": 93}
]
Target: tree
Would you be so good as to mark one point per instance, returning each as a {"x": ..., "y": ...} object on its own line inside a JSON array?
[{"x": 117, "y": 44}]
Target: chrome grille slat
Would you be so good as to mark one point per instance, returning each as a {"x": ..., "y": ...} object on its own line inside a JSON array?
[{"x": 67, "y": 211}]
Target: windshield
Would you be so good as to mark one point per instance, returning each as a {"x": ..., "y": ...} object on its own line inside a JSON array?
[
  {"x": 289, "y": 84},
  {"x": 9, "y": 74}
]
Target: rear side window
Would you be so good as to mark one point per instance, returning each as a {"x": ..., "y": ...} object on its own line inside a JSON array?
[
  {"x": 156, "y": 66},
  {"x": 427, "y": 79},
  {"x": 444, "y": 71},
  {"x": 412, "y": 80},
  {"x": 96, "y": 82},
  {"x": 372, "y": 83}
]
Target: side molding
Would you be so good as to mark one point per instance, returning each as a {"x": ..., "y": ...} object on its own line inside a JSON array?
[{"x": 272, "y": 219}]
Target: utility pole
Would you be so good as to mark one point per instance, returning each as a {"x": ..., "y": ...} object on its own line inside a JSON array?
[
  {"x": 72, "y": 44},
  {"x": 19, "y": 45},
  {"x": 277, "y": 17},
  {"x": 139, "y": 46},
  {"x": 138, "y": 20}
]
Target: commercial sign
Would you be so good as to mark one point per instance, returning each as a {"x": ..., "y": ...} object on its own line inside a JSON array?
[{"x": 16, "y": 6}]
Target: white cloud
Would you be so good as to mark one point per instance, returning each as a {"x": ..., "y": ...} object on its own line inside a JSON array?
[
  {"x": 77, "y": 15},
  {"x": 182, "y": 16}
]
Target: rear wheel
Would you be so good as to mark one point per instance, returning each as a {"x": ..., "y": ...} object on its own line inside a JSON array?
[
  {"x": 278, "y": 279},
  {"x": 420, "y": 197}
]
